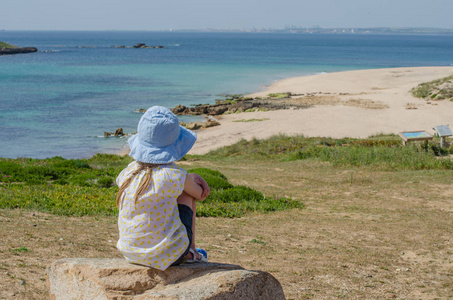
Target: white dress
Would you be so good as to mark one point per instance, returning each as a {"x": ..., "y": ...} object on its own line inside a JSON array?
[{"x": 151, "y": 232}]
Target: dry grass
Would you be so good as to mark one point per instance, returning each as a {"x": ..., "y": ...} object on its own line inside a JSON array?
[
  {"x": 362, "y": 235},
  {"x": 335, "y": 100}
]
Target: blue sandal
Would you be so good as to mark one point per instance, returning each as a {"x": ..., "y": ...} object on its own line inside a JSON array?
[{"x": 203, "y": 253}]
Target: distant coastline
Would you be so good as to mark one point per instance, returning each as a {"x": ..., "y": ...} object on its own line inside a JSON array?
[
  {"x": 339, "y": 30},
  {"x": 295, "y": 30}
]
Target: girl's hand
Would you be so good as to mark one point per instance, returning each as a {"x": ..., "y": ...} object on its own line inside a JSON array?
[{"x": 201, "y": 182}]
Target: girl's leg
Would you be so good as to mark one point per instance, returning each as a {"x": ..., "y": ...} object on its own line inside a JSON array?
[{"x": 186, "y": 199}]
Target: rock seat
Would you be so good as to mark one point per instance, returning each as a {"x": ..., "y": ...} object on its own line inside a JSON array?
[{"x": 96, "y": 279}]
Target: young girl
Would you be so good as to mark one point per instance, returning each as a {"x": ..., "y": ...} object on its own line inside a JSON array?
[{"x": 156, "y": 199}]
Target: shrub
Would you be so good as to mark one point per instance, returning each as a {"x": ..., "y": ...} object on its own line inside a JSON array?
[
  {"x": 215, "y": 179},
  {"x": 105, "y": 181},
  {"x": 434, "y": 89}
]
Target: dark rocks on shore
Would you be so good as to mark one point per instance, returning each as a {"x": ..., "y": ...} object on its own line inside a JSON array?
[
  {"x": 210, "y": 122},
  {"x": 235, "y": 106},
  {"x": 215, "y": 109},
  {"x": 229, "y": 106},
  {"x": 17, "y": 50}
]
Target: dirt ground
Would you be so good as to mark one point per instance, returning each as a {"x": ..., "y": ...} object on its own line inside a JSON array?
[{"x": 362, "y": 235}]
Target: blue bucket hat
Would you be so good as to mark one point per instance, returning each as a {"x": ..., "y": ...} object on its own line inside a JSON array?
[{"x": 160, "y": 139}]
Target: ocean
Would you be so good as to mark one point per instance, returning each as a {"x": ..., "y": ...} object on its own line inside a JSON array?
[{"x": 60, "y": 100}]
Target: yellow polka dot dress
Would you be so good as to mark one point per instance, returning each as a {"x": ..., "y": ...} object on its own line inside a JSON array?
[{"x": 150, "y": 231}]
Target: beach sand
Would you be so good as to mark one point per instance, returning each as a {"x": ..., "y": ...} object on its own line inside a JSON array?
[{"x": 354, "y": 104}]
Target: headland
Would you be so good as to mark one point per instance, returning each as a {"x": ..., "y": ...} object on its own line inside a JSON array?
[{"x": 6, "y": 49}]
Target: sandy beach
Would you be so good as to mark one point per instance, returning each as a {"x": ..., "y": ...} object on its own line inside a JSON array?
[{"x": 353, "y": 104}]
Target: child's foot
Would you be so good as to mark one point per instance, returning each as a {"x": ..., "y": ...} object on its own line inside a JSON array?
[{"x": 197, "y": 256}]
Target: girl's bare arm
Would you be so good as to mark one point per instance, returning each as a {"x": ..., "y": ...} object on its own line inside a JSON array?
[
  {"x": 193, "y": 189},
  {"x": 201, "y": 182}
]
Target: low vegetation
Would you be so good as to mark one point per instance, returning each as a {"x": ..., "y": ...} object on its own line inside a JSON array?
[
  {"x": 279, "y": 95},
  {"x": 86, "y": 187},
  {"x": 251, "y": 120},
  {"x": 439, "y": 89},
  {"x": 380, "y": 152},
  {"x": 6, "y": 45},
  {"x": 80, "y": 187},
  {"x": 231, "y": 98}
]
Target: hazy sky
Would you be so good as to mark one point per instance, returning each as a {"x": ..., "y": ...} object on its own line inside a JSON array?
[{"x": 231, "y": 14}]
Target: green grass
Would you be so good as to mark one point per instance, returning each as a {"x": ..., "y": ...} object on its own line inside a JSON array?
[
  {"x": 238, "y": 200},
  {"x": 19, "y": 250},
  {"x": 80, "y": 187},
  {"x": 86, "y": 187},
  {"x": 67, "y": 200},
  {"x": 100, "y": 170},
  {"x": 279, "y": 95},
  {"x": 433, "y": 90},
  {"x": 380, "y": 152},
  {"x": 251, "y": 120},
  {"x": 6, "y": 45},
  {"x": 231, "y": 99}
]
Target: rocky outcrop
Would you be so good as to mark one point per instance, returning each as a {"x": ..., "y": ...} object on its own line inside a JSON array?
[
  {"x": 141, "y": 45},
  {"x": 118, "y": 132},
  {"x": 210, "y": 122},
  {"x": 17, "y": 50},
  {"x": 238, "y": 105},
  {"x": 91, "y": 278}
]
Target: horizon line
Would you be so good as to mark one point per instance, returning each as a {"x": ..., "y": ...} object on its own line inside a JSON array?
[{"x": 250, "y": 29}]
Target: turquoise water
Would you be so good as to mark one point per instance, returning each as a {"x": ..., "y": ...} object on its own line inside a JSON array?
[{"x": 60, "y": 100}]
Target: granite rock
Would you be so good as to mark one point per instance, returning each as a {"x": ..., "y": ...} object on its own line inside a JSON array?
[{"x": 96, "y": 279}]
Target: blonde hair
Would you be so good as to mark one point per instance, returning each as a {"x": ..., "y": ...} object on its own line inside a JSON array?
[{"x": 143, "y": 184}]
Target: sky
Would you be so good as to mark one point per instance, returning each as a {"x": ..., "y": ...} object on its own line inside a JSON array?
[{"x": 221, "y": 14}]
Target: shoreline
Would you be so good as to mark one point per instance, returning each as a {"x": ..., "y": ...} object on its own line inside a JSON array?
[{"x": 354, "y": 104}]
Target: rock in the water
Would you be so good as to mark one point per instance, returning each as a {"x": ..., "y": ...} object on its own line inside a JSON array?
[
  {"x": 92, "y": 278},
  {"x": 17, "y": 50},
  {"x": 141, "y": 45},
  {"x": 118, "y": 132}
]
